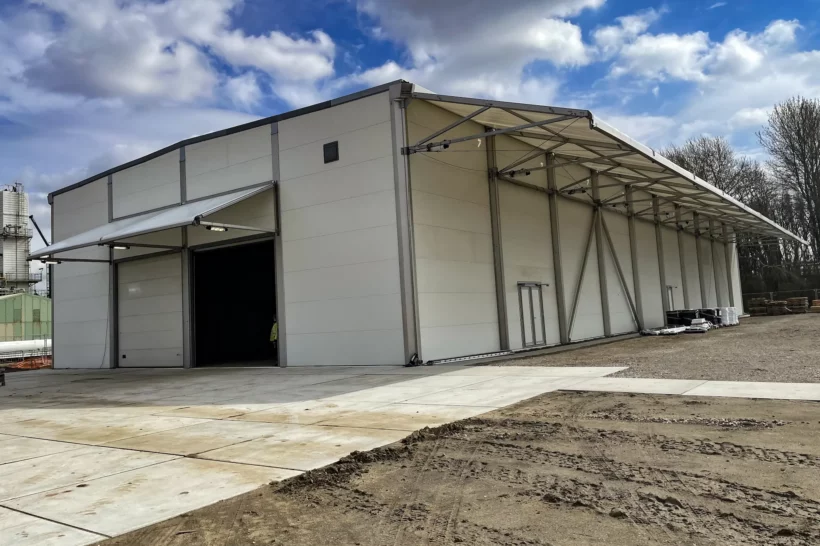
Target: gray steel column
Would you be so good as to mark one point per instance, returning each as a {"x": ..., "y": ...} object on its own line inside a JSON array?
[
  {"x": 727, "y": 252},
  {"x": 633, "y": 251},
  {"x": 557, "y": 261},
  {"x": 113, "y": 313},
  {"x": 699, "y": 252},
  {"x": 278, "y": 256},
  {"x": 601, "y": 253},
  {"x": 52, "y": 285},
  {"x": 498, "y": 254},
  {"x": 187, "y": 308},
  {"x": 110, "y": 188},
  {"x": 682, "y": 255},
  {"x": 715, "y": 272},
  {"x": 404, "y": 223},
  {"x": 183, "y": 177},
  {"x": 661, "y": 257}
]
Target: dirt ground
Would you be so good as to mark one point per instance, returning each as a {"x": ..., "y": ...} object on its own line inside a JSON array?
[
  {"x": 782, "y": 349},
  {"x": 561, "y": 469}
]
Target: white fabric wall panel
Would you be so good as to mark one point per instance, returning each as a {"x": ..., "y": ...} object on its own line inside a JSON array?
[
  {"x": 146, "y": 186},
  {"x": 736, "y": 286},
  {"x": 525, "y": 230},
  {"x": 651, "y": 293},
  {"x": 355, "y": 147},
  {"x": 620, "y": 313},
  {"x": 457, "y": 307},
  {"x": 340, "y": 243},
  {"x": 150, "y": 312},
  {"x": 332, "y": 123},
  {"x": 720, "y": 268},
  {"x": 170, "y": 237},
  {"x": 575, "y": 220},
  {"x": 227, "y": 163},
  {"x": 673, "y": 269},
  {"x": 80, "y": 209},
  {"x": 81, "y": 307},
  {"x": 257, "y": 211},
  {"x": 354, "y": 180},
  {"x": 708, "y": 272},
  {"x": 692, "y": 279}
]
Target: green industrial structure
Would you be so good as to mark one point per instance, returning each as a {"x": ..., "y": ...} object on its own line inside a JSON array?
[{"x": 24, "y": 317}]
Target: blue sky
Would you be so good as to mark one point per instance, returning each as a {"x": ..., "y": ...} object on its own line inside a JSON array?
[{"x": 88, "y": 84}]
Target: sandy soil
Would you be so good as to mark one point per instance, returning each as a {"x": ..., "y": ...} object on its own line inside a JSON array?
[
  {"x": 783, "y": 349},
  {"x": 562, "y": 469}
]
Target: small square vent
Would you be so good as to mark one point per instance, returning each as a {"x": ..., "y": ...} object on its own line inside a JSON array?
[{"x": 331, "y": 150}]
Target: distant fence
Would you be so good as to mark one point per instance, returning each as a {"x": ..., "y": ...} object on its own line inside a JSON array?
[{"x": 810, "y": 293}]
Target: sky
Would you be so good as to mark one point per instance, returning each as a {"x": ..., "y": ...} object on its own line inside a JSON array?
[{"x": 89, "y": 84}]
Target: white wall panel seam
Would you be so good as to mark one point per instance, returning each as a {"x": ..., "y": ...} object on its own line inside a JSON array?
[
  {"x": 340, "y": 298},
  {"x": 342, "y": 265},
  {"x": 357, "y": 196},
  {"x": 341, "y": 232},
  {"x": 330, "y": 138}
]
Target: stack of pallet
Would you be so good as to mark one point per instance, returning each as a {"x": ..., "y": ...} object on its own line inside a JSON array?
[
  {"x": 815, "y": 306},
  {"x": 757, "y": 307},
  {"x": 778, "y": 307},
  {"x": 798, "y": 305}
]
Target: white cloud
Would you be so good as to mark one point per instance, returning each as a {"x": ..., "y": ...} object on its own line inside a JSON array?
[
  {"x": 642, "y": 127},
  {"x": 448, "y": 45},
  {"x": 610, "y": 39},
  {"x": 749, "y": 117},
  {"x": 717, "y": 5},
  {"x": 732, "y": 83},
  {"x": 143, "y": 50},
  {"x": 695, "y": 57},
  {"x": 244, "y": 90},
  {"x": 780, "y": 32},
  {"x": 295, "y": 59},
  {"x": 664, "y": 56}
]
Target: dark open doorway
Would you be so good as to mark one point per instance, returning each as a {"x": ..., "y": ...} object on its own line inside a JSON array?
[{"x": 234, "y": 305}]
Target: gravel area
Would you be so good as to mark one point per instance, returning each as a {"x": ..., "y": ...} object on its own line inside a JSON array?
[{"x": 780, "y": 349}]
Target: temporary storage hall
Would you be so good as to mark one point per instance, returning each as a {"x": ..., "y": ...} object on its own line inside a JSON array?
[{"x": 388, "y": 226}]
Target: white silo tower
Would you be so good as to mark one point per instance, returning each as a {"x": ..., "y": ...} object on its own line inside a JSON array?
[{"x": 16, "y": 238}]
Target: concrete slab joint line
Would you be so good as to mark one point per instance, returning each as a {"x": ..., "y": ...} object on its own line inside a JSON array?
[{"x": 247, "y": 427}]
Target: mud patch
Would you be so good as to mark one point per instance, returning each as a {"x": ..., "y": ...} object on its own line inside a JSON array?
[{"x": 562, "y": 469}]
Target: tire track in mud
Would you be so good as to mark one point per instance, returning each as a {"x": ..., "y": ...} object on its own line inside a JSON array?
[
  {"x": 533, "y": 431},
  {"x": 787, "y": 503},
  {"x": 576, "y": 408},
  {"x": 795, "y": 518}
]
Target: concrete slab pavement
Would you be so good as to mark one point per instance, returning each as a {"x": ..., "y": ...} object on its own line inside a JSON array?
[{"x": 90, "y": 454}]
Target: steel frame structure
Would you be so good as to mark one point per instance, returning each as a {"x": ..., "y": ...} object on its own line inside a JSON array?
[{"x": 675, "y": 197}]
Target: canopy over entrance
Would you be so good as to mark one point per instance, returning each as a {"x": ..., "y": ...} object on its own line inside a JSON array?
[
  {"x": 121, "y": 232},
  {"x": 575, "y": 137}
]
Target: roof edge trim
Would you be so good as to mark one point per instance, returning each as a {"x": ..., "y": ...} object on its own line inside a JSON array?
[
  {"x": 652, "y": 155},
  {"x": 229, "y": 131}
]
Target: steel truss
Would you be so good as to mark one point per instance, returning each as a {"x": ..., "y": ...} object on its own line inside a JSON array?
[
  {"x": 675, "y": 189},
  {"x": 664, "y": 197}
]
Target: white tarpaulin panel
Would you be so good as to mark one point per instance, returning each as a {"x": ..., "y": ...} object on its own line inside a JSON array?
[{"x": 174, "y": 217}]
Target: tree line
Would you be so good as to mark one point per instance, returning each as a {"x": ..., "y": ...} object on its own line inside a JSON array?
[{"x": 785, "y": 188}]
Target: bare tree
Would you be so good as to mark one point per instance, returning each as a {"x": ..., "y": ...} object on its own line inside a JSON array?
[
  {"x": 713, "y": 159},
  {"x": 763, "y": 265},
  {"x": 792, "y": 139}
]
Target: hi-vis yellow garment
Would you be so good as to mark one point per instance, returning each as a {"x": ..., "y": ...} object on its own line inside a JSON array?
[{"x": 274, "y": 332}]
